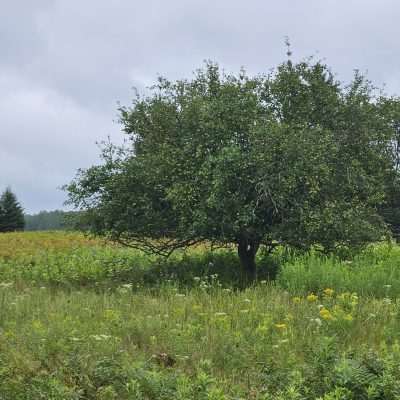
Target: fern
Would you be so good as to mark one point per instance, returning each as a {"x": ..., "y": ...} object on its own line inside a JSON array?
[{"x": 355, "y": 376}]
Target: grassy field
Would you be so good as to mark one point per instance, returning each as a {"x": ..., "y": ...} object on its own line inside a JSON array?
[{"x": 80, "y": 319}]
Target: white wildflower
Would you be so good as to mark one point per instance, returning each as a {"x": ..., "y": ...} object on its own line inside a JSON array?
[
  {"x": 220, "y": 314},
  {"x": 101, "y": 337},
  {"x": 387, "y": 301}
]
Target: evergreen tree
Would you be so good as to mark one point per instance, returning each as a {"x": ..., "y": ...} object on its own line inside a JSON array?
[{"x": 11, "y": 213}]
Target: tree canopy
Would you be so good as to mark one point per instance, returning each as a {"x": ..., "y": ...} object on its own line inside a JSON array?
[
  {"x": 292, "y": 157},
  {"x": 390, "y": 209},
  {"x": 11, "y": 213},
  {"x": 49, "y": 220}
]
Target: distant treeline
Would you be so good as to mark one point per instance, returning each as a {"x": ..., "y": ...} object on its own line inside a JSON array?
[{"x": 50, "y": 220}]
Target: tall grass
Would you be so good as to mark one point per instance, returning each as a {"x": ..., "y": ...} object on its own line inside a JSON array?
[
  {"x": 246, "y": 344},
  {"x": 375, "y": 272},
  {"x": 81, "y": 319},
  {"x": 65, "y": 259}
]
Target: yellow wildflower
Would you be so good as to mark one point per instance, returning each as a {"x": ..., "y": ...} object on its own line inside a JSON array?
[
  {"x": 326, "y": 314},
  {"x": 312, "y": 297},
  {"x": 348, "y": 317},
  {"x": 296, "y": 300},
  {"x": 328, "y": 292}
]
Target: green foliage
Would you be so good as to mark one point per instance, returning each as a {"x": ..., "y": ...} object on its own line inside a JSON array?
[
  {"x": 45, "y": 221},
  {"x": 390, "y": 209},
  {"x": 292, "y": 158},
  {"x": 11, "y": 213},
  {"x": 50, "y": 220}
]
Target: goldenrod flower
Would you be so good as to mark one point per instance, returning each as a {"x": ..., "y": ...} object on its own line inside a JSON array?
[
  {"x": 329, "y": 292},
  {"x": 326, "y": 314},
  {"x": 348, "y": 317},
  {"x": 312, "y": 297},
  {"x": 296, "y": 300}
]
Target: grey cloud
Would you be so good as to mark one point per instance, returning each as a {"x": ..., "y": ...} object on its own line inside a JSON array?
[{"x": 66, "y": 63}]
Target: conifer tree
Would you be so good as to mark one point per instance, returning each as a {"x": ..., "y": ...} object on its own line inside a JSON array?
[{"x": 11, "y": 213}]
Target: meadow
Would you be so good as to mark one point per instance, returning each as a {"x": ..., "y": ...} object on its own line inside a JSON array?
[{"x": 83, "y": 319}]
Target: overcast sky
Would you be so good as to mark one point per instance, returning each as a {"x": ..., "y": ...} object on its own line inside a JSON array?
[{"x": 65, "y": 64}]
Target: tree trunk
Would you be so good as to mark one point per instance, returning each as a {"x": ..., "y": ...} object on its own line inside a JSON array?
[{"x": 247, "y": 250}]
